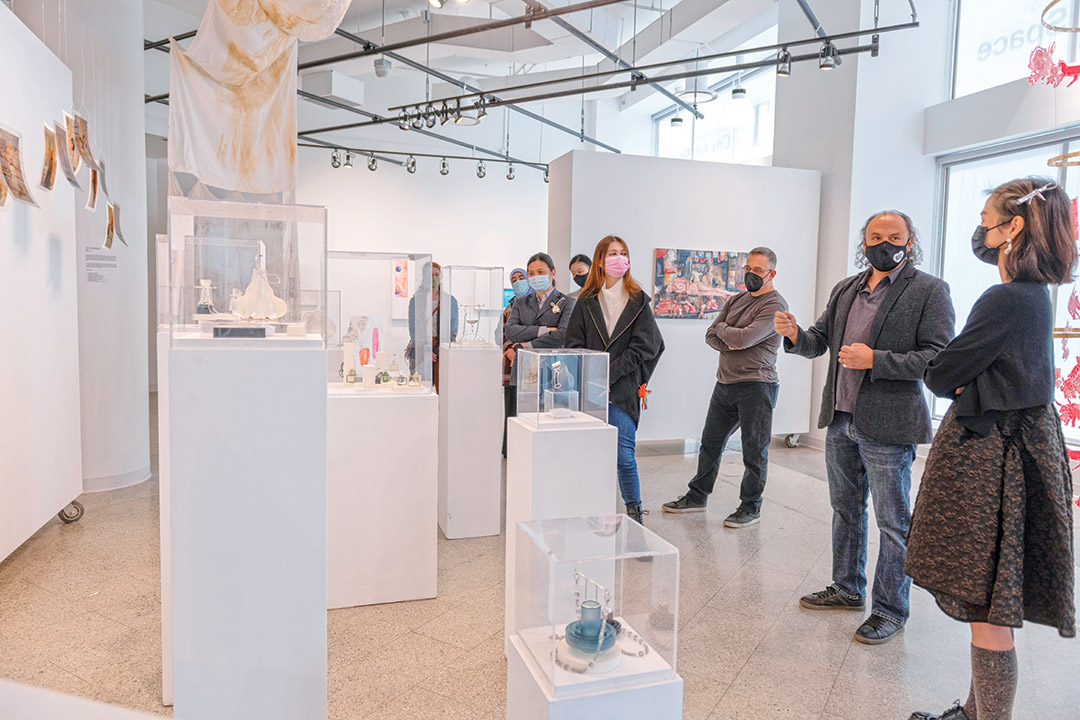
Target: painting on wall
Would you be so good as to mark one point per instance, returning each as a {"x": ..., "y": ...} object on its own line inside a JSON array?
[{"x": 694, "y": 284}]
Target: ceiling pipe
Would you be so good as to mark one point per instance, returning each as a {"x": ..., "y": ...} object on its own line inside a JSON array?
[{"x": 315, "y": 142}]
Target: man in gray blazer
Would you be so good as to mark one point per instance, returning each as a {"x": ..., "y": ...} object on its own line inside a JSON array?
[{"x": 880, "y": 328}]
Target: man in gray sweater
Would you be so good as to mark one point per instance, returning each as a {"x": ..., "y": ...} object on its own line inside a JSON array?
[{"x": 745, "y": 391}]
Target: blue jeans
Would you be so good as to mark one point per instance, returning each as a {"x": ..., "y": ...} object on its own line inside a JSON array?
[
  {"x": 625, "y": 462},
  {"x": 859, "y": 466}
]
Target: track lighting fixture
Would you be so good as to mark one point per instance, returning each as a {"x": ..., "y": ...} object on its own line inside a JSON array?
[
  {"x": 510, "y": 171},
  {"x": 677, "y": 122},
  {"x": 444, "y": 167},
  {"x": 783, "y": 63},
  {"x": 457, "y": 113},
  {"x": 481, "y": 169},
  {"x": 546, "y": 177},
  {"x": 403, "y": 120},
  {"x": 429, "y": 116},
  {"x": 382, "y": 67},
  {"x": 437, "y": 4},
  {"x": 372, "y": 164},
  {"x": 335, "y": 160},
  {"x": 410, "y": 164},
  {"x": 444, "y": 114},
  {"x": 481, "y": 109},
  {"x": 348, "y": 160},
  {"x": 828, "y": 57},
  {"x": 417, "y": 120}
]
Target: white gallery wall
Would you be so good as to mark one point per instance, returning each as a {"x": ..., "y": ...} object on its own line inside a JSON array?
[
  {"x": 101, "y": 41},
  {"x": 661, "y": 203},
  {"x": 40, "y": 465}
]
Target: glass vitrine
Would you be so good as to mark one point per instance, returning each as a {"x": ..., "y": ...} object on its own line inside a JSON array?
[
  {"x": 476, "y": 293},
  {"x": 562, "y": 386}
]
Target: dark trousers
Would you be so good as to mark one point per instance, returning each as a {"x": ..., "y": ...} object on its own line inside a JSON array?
[
  {"x": 509, "y": 409},
  {"x": 750, "y": 405}
]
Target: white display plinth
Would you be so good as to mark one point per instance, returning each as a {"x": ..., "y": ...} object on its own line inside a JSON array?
[
  {"x": 470, "y": 433},
  {"x": 556, "y": 471},
  {"x": 247, "y": 506},
  {"x": 528, "y": 698},
  {"x": 383, "y": 541},
  {"x": 165, "y": 514},
  {"x": 22, "y": 702}
]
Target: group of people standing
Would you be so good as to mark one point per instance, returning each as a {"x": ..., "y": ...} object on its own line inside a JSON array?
[{"x": 991, "y": 536}]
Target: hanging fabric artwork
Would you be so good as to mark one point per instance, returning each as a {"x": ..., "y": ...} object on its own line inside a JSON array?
[{"x": 232, "y": 94}]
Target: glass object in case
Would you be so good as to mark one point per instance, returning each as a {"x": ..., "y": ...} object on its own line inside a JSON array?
[
  {"x": 596, "y": 602},
  {"x": 245, "y": 273},
  {"x": 477, "y": 292},
  {"x": 381, "y": 305},
  {"x": 562, "y": 386}
]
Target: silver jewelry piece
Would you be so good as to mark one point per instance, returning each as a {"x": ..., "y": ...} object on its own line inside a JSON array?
[{"x": 1036, "y": 193}]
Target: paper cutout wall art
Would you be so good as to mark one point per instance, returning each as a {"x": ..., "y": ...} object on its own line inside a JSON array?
[
  {"x": 63, "y": 145},
  {"x": 1044, "y": 69},
  {"x": 74, "y": 158},
  {"x": 109, "y": 225},
  {"x": 48, "y": 166},
  {"x": 11, "y": 166},
  {"x": 91, "y": 193},
  {"x": 258, "y": 301}
]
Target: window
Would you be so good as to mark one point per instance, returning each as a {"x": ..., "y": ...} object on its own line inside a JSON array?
[
  {"x": 994, "y": 39},
  {"x": 966, "y": 181}
]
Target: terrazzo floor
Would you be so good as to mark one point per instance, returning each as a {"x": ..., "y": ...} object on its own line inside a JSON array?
[{"x": 80, "y": 613}]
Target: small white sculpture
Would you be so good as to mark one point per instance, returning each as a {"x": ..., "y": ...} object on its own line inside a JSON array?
[{"x": 258, "y": 301}]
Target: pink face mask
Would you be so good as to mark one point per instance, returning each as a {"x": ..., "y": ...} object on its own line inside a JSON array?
[{"x": 616, "y": 265}]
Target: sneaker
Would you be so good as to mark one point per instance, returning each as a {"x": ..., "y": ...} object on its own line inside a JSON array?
[
  {"x": 742, "y": 518},
  {"x": 831, "y": 598},
  {"x": 636, "y": 513},
  {"x": 683, "y": 504},
  {"x": 956, "y": 712},
  {"x": 878, "y": 630}
]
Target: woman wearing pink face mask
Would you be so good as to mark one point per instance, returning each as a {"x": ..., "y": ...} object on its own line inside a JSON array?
[{"x": 614, "y": 315}]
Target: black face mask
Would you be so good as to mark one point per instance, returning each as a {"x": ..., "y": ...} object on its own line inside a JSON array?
[
  {"x": 988, "y": 255},
  {"x": 754, "y": 282},
  {"x": 885, "y": 256},
  {"x": 580, "y": 279}
]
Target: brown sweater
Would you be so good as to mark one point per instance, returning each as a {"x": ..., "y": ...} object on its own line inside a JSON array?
[{"x": 743, "y": 333}]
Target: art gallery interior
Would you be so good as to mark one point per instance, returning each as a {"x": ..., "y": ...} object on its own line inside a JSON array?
[{"x": 257, "y": 461}]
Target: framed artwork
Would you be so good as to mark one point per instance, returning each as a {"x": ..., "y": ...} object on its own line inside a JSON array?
[
  {"x": 401, "y": 278},
  {"x": 695, "y": 284}
]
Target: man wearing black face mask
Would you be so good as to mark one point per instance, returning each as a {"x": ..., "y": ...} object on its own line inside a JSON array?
[
  {"x": 881, "y": 328},
  {"x": 745, "y": 391}
]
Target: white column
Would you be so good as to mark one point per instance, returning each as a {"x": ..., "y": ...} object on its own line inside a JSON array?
[{"x": 102, "y": 42}]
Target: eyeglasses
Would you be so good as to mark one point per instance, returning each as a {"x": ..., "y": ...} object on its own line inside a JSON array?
[{"x": 756, "y": 270}]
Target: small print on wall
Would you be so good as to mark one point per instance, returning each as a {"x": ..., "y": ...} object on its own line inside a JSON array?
[
  {"x": 11, "y": 166},
  {"x": 401, "y": 278},
  {"x": 692, "y": 284}
]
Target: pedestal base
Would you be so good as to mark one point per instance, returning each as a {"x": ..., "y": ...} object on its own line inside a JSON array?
[{"x": 527, "y": 696}]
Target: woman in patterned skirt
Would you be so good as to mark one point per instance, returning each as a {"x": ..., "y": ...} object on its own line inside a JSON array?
[{"x": 992, "y": 536}]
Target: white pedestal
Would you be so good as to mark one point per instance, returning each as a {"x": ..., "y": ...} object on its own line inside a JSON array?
[
  {"x": 470, "y": 435},
  {"x": 528, "y": 698},
  {"x": 22, "y": 702},
  {"x": 383, "y": 542},
  {"x": 558, "y": 472},
  {"x": 247, "y": 499},
  {"x": 165, "y": 530}
]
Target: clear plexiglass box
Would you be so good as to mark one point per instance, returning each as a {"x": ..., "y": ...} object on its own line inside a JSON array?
[
  {"x": 245, "y": 274},
  {"x": 596, "y": 602},
  {"x": 562, "y": 386},
  {"x": 478, "y": 296},
  {"x": 381, "y": 307}
]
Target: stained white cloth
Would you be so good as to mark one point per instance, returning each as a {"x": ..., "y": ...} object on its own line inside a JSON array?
[
  {"x": 612, "y": 302},
  {"x": 232, "y": 94}
]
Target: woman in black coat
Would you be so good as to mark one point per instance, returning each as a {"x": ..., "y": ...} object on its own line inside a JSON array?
[
  {"x": 613, "y": 315},
  {"x": 992, "y": 536}
]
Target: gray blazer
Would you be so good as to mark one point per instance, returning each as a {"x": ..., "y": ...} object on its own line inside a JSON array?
[
  {"x": 915, "y": 321},
  {"x": 527, "y": 317}
]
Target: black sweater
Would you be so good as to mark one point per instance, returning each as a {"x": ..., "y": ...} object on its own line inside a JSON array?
[{"x": 1003, "y": 358}]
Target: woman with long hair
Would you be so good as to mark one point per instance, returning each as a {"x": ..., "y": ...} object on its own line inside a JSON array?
[
  {"x": 614, "y": 315},
  {"x": 992, "y": 535}
]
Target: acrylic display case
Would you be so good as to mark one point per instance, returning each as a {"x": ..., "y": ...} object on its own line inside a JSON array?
[
  {"x": 596, "y": 603},
  {"x": 380, "y": 305},
  {"x": 250, "y": 274},
  {"x": 478, "y": 292},
  {"x": 562, "y": 386}
]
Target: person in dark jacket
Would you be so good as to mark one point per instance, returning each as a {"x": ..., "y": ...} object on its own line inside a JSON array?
[
  {"x": 880, "y": 328},
  {"x": 992, "y": 534},
  {"x": 614, "y": 315},
  {"x": 539, "y": 319}
]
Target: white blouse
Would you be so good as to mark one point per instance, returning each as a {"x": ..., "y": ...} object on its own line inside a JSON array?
[{"x": 613, "y": 301}]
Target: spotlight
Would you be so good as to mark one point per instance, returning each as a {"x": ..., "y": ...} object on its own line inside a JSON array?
[
  {"x": 828, "y": 58},
  {"x": 444, "y": 114},
  {"x": 481, "y": 169},
  {"x": 481, "y": 109},
  {"x": 429, "y": 116},
  {"x": 335, "y": 160},
  {"x": 410, "y": 164},
  {"x": 418, "y": 120},
  {"x": 348, "y": 160},
  {"x": 372, "y": 164},
  {"x": 437, "y": 4},
  {"x": 457, "y": 112},
  {"x": 677, "y": 122},
  {"x": 403, "y": 120},
  {"x": 783, "y": 63},
  {"x": 444, "y": 167},
  {"x": 510, "y": 172},
  {"x": 546, "y": 177},
  {"x": 382, "y": 67}
]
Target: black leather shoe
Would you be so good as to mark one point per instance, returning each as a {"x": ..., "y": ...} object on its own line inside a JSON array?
[
  {"x": 831, "y": 598},
  {"x": 954, "y": 713},
  {"x": 877, "y": 630}
]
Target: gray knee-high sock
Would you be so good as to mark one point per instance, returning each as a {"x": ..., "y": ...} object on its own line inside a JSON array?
[
  {"x": 994, "y": 676},
  {"x": 970, "y": 707}
]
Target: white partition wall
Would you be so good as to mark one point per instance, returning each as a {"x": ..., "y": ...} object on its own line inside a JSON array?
[
  {"x": 40, "y": 460},
  {"x": 661, "y": 203}
]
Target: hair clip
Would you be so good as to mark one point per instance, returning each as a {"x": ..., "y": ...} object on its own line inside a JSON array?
[{"x": 1037, "y": 192}]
